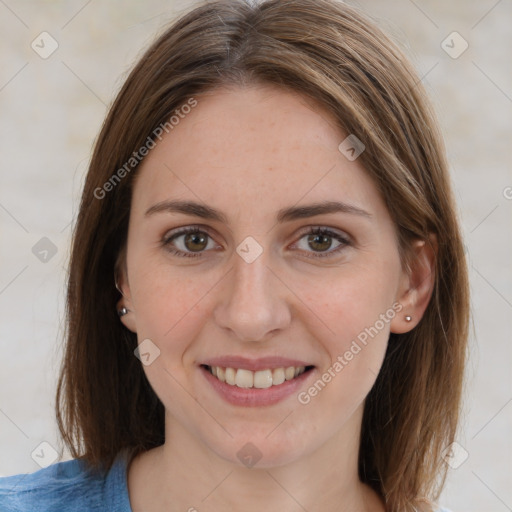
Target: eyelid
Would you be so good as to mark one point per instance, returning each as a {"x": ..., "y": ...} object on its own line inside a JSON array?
[
  {"x": 189, "y": 228},
  {"x": 321, "y": 227}
]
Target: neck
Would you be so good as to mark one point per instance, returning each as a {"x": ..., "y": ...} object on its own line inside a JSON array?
[{"x": 185, "y": 475}]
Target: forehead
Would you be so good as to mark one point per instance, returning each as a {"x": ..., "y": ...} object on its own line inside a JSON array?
[{"x": 259, "y": 144}]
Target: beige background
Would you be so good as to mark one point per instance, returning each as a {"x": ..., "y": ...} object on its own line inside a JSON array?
[{"x": 51, "y": 111}]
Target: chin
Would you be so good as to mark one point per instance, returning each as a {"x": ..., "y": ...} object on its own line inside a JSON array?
[{"x": 259, "y": 452}]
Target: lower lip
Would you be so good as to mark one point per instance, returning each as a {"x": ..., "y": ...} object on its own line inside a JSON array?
[{"x": 254, "y": 397}]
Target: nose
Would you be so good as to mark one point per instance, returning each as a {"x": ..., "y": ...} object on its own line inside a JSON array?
[{"x": 252, "y": 303}]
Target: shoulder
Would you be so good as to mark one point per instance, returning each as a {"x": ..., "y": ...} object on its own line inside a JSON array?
[
  {"x": 64, "y": 482},
  {"x": 70, "y": 486}
]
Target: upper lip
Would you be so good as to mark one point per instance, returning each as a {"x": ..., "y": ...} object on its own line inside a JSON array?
[{"x": 254, "y": 365}]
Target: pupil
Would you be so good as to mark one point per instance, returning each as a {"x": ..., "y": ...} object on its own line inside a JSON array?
[
  {"x": 326, "y": 240},
  {"x": 194, "y": 237}
]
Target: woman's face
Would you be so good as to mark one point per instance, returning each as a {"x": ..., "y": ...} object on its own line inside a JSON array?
[{"x": 251, "y": 281}]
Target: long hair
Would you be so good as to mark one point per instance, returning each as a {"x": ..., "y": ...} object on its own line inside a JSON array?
[{"x": 337, "y": 57}]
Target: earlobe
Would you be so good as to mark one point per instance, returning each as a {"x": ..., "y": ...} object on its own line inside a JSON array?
[
  {"x": 417, "y": 285},
  {"x": 124, "y": 306},
  {"x": 126, "y": 315}
]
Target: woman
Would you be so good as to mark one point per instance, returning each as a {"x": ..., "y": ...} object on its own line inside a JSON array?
[{"x": 268, "y": 298}]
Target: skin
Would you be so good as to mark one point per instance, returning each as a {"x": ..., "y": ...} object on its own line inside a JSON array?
[{"x": 249, "y": 152}]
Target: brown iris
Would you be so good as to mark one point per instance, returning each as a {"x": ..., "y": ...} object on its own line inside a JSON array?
[
  {"x": 325, "y": 241},
  {"x": 197, "y": 239}
]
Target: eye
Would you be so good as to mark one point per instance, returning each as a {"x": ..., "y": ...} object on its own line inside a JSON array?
[
  {"x": 321, "y": 240},
  {"x": 193, "y": 242}
]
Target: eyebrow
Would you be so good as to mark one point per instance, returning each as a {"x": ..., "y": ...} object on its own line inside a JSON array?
[{"x": 284, "y": 215}]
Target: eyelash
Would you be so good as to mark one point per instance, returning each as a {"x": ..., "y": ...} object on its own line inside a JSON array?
[{"x": 166, "y": 242}]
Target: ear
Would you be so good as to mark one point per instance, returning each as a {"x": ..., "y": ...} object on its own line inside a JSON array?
[
  {"x": 129, "y": 320},
  {"x": 416, "y": 285}
]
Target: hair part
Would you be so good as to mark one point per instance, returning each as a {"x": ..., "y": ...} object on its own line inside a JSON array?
[{"x": 333, "y": 55}]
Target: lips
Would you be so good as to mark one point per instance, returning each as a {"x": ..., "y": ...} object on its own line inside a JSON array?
[
  {"x": 250, "y": 382},
  {"x": 253, "y": 396}
]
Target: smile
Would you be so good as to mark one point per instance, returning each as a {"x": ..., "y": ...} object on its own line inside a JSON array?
[{"x": 260, "y": 379}]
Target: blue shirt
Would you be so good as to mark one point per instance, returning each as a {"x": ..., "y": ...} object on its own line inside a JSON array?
[{"x": 70, "y": 487}]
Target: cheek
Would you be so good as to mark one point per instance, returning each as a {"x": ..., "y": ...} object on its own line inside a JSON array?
[
  {"x": 167, "y": 303},
  {"x": 348, "y": 300},
  {"x": 351, "y": 320},
  {"x": 356, "y": 326}
]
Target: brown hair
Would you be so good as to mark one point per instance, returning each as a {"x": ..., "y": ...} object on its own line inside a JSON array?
[{"x": 332, "y": 54}]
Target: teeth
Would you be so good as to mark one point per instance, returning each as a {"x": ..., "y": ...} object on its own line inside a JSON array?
[
  {"x": 244, "y": 378},
  {"x": 261, "y": 379},
  {"x": 289, "y": 373},
  {"x": 278, "y": 376},
  {"x": 230, "y": 376}
]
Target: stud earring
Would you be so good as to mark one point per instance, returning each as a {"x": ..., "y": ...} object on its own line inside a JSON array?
[
  {"x": 408, "y": 318},
  {"x": 123, "y": 311}
]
